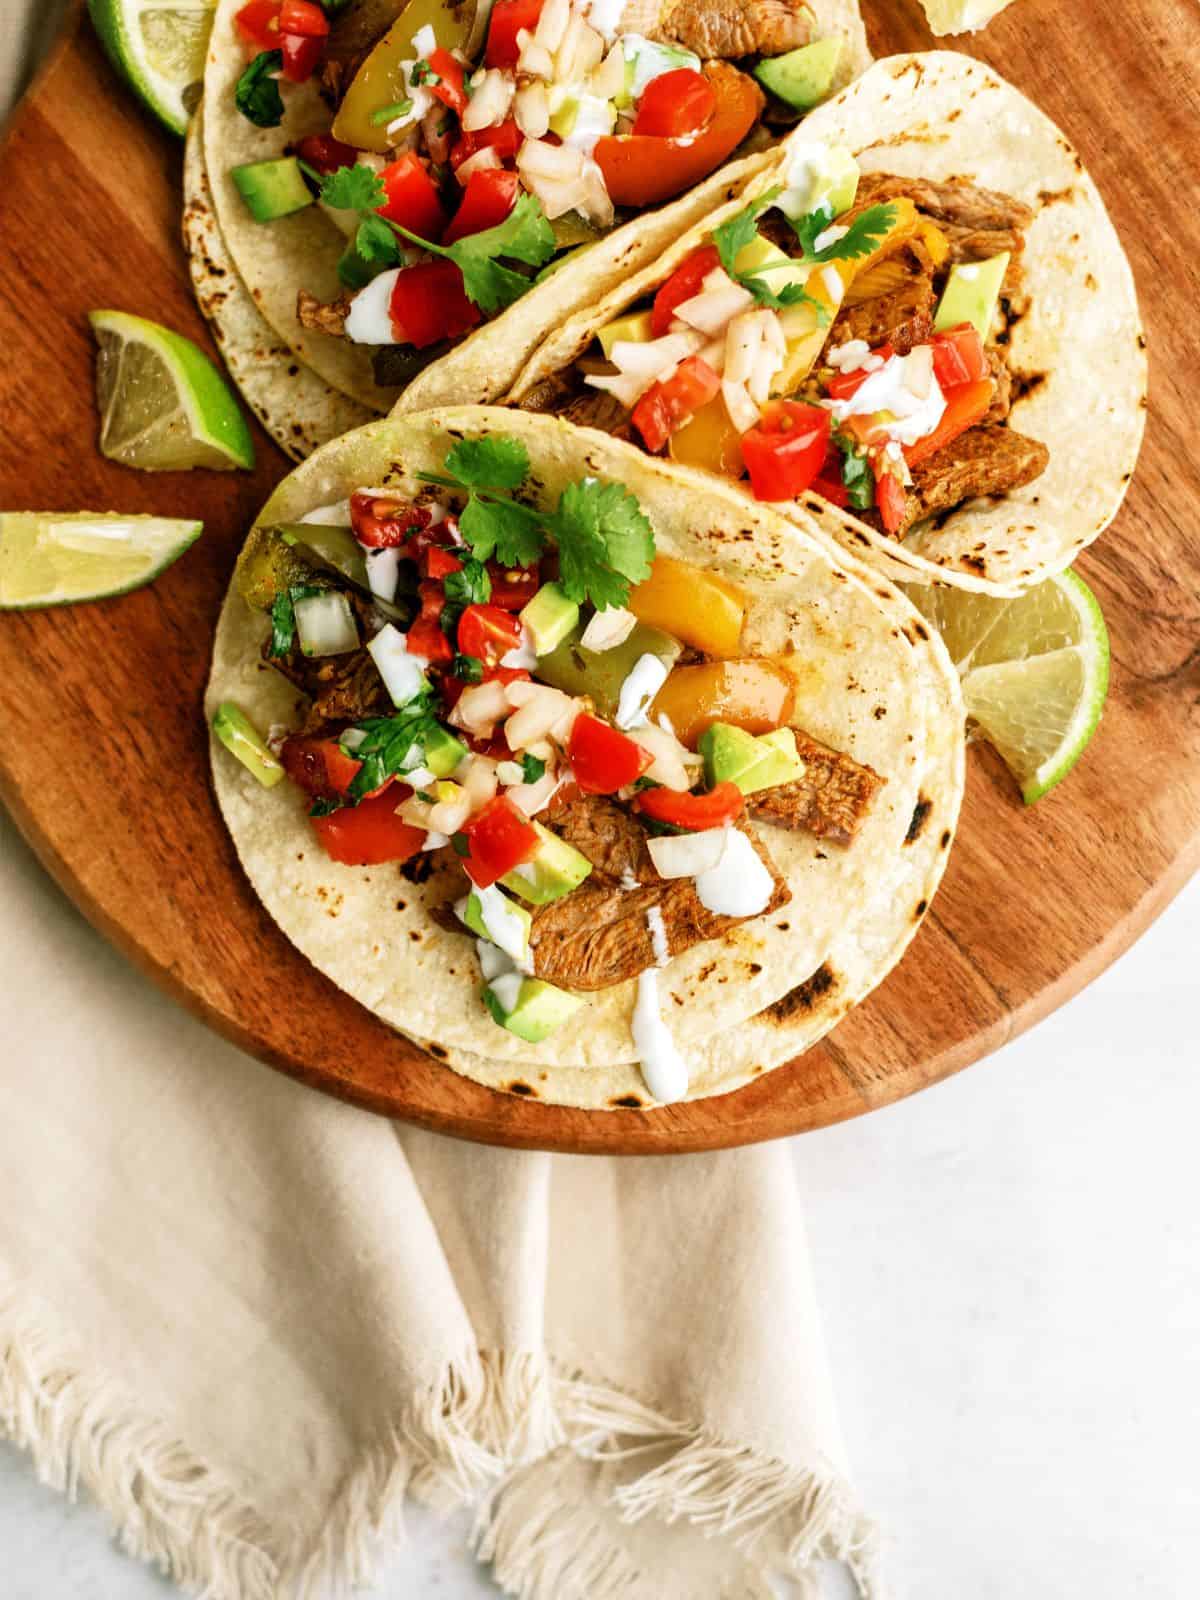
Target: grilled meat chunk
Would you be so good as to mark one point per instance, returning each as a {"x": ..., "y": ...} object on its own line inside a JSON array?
[
  {"x": 1000, "y": 375},
  {"x": 318, "y": 317},
  {"x": 988, "y": 460},
  {"x": 830, "y": 800},
  {"x": 722, "y": 29},
  {"x": 598, "y": 935},
  {"x": 903, "y": 318},
  {"x": 977, "y": 222},
  {"x": 595, "y": 409},
  {"x": 356, "y": 30},
  {"x": 341, "y": 689}
]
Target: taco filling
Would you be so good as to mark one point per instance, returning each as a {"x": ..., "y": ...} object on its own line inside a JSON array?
[
  {"x": 547, "y": 719},
  {"x": 469, "y": 147},
  {"x": 842, "y": 334}
]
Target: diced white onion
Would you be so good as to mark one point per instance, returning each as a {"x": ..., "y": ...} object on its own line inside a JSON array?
[
  {"x": 834, "y": 287},
  {"x": 531, "y": 108},
  {"x": 848, "y": 357},
  {"x": 643, "y": 683},
  {"x": 608, "y": 79},
  {"x": 686, "y": 855},
  {"x": 641, "y": 363},
  {"x": 326, "y": 625},
  {"x": 369, "y": 320},
  {"x": 580, "y": 51},
  {"x": 743, "y": 412},
  {"x": 403, "y": 674},
  {"x": 420, "y": 777},
  {"x": 490, "y": 101},
  {"x": 534, "y": 797},
  {"x": 542, "y": 160},
  {"x": 480, "y": 708},
  {"x": 743, "y": 339},
  {"x": 540, "y": 709},
  {"x": 383, "y": 571},
  {"x": 425, "y": 42},
  {"x": 605, "y": 15},
  {"x": 434, "y": 840},
  {"x": 448, "y": 816},
  {"x": 672, "y": 766},
  {"x": 719, "y": 300},
  {"x": 552, "y": 23},
  {"x": 510, "y": 772},
  {"x": 415, "y": 812},
  {"x": 533, "y": 59},
  {"x": 482, "y": 161},
  {"x": 607, "y": 629},
  {"x": 478, "y": 777}
]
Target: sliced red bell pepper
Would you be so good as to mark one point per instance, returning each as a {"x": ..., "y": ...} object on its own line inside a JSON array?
[
  {"x": 488, "y": 633},
  {"x": 890, "y": 499},
  {"x": 965, "y": 406},
  {"x": 381, "y": 524},
  {"x": 786, "y": 450},
  {"x": 958, "y": 356},
  {"x": 487, "y": 200},
  {"x": 301, "y": 56},
  {"x": 686, "y": 281},
  {"x": 507, "y": 19},
  {"x": 844, "y": 385},
  {"x": 668, "y": 404},
  {"x": 304, "y": 18},
  {"x": 641, "y": 170},
  {"x": 695, "y": 812},
  {"x": 258, "y": 24},
  {"x": 429, "y": 304},
  {"x": 319, "y": 767},
  {"x": 324, "y": 153},
  {"x": 426, "y": 636},
  {"x": 499, "y": 838},
  {"x": 676, "y": 105},
  {"x": 505, "y": 138},
  {"x": 412, "y": 197},
  {"x": 513, "y": 587},
  {"x": 602, "y": 758},
  {"x": 449, "y": 88},
  {"x": 370, "y": 833}
]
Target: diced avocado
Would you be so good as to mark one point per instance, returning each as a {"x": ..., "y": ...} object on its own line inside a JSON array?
[
  {"x": 553, "y": 871},
  {"x": 819, "y": 176},
  {"x": 633, "y": 329},
  {"x": 472, "y": 915},
  {"x": 268, "y": 565},
  {"x": 802, "y": 77},
  {"x": 443, "y": 751},
  {"x": 335, "y": 546},
  {"x": 600, "y": 673},
  {"x": 550, "y": 617},
  {"x": 538, "y": 1011},
  {"x": 971, "y": 293},
  {"x": 731, "y": 755},
  {"x": 242, "y": 739},
  {"x": 272, "y": 189}
]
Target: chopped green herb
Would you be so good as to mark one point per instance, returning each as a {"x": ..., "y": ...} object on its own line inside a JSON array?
[
  {"x": 355, "y": 188},
  {"x": 462, "y": 845},
  {"x": 283, "y": 616},
  {"x": 646, "y": 783},
  {"x": 469, "y": 669},
  {"x": 392, "y": 745},
  {"x": 424, "y": 794},
  {"x": 257, "y": 94},
  {"x": 533, "y": 767},
  {"x": 422, "y": 72},
  {"x": 399, "y": 108},
  {"x": 470, "y": 586},
  {"x": 324, "y": 808},
  {"x": 732, "y": 237},
  {"x": 860, "y": 238},
  {"x": 857, "y": 476},
  {"x": 496, "y": 462},
  {"x": 524, "y": 235}
]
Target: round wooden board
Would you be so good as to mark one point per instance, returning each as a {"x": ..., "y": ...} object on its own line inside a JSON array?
[{"x": 104, "y": 753}]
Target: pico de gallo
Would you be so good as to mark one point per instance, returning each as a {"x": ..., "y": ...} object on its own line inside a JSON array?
[
  {"x": 561, "y": 715},
  {"x": 470, "y": 146},
  {"x": 843, "y": 335}
]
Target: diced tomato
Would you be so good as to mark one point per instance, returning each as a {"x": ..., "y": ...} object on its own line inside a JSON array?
[
  {"x": 437, "y": 562},
  {"x": 412, "y": 198},
  {"x": 429, "y": 304},
  {"x": 258, "y": 24},
  {"x": 786, "y": 450},
  {"x": 830, "y": 487},
  {"x": 370, "y": 833},
  {"x": 304, "y": 18},
  {"x": 426, "y": 636},
  {"x": 602, "y": 758},
  {"x": 958, "y": 356},
  {"x": 488, "y": 634},
  {"x": 325, "y": 154},
  {"x": 684, "y": 282},
  {"x": 513, "y": 587},
  {"x": 319, "y": 767},
  {"x": 965, "y": 406},
  {"x": 696, "y": 812},
  {"x": 676, "y": 105},
  {"x": 667, "y": 405},
  {"x": 380, "y": 523},
  {"x": 507, "y": 20},
  {"x": 449, "y": 88},
  {"x": 489, "y": 197},
  {"x": 890, "y": 499},
  {"x": 499, "y": 838},
  {"x": 505, "y": 138},
  {"x": 843, "y": 385},
  {"x": 301, "y": 56},
  {"x": 641, "y": 170}
]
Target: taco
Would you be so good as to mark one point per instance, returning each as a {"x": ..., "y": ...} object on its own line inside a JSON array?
[
  {"x": 580, "y": 770},
  {"x": 916, "y": 323},
  {"x": 513, "y": 139}
]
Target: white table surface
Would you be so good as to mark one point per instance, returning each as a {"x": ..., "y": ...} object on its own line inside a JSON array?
[{"x": 1009, "y": 1266}]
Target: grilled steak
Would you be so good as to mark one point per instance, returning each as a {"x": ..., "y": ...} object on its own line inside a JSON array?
[
  {"x": 977, "y": 222},
  {"x": 342, "y": 688},
  {"x": 598, "y": 935},
  {"x": 902, "y": 319},
  {"x": 988, "y": 460},
  {"x": 1002, "y": 399},
  {"x": 830, "y": 800},
  {"x": 722, "y": 29},
  {"x": 318, "y": 317}
]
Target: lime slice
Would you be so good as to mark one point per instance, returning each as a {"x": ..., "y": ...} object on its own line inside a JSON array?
[
  {"x": 53, "y": 558},
  {"x": 160, "y": 46},
  {"x": 1034, "y": 671},
  {"x": 163, "y": 405},
  {"x": 960, "y": 16}
]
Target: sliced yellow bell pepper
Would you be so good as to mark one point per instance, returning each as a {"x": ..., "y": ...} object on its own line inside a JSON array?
[
  {"x": 709, "y": 440},
  {"x": 754, "y": 694},
  {"x": 698, "y": 607}
]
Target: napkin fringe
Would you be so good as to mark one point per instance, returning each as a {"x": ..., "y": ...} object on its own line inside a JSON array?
[{"x": 84, "y": 1429}]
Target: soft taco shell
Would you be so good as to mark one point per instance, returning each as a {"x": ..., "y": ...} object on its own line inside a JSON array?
[{"x": 872, "y": 683}]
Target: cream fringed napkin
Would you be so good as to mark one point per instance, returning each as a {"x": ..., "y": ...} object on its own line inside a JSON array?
[{"x": 248, "y": 1320}]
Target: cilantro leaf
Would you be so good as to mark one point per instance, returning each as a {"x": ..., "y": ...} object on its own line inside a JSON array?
[
  {"x": 857, "y": 476},
  {"x": 257, "y": 94},
  {"x": 467, "y": 668},
  {"x": 732, "y": 237},
  {"x": 605, "y": 542},
  {"x": 375, "y": 241},
  {"x": 503, "y": 529},
  {"x": 490, "y": 463},
  {"x": 532, "y": 767},
  {"x": 471, "y": 586},
  {"x": 324, "y": 808},
  {"x": 392, "y": 745},
  {"x": 860, "y": 238},
  {"x": 524, "y": 235},
  {"x": 283, "y": 616},
  {"x": 354, "y": 189}
]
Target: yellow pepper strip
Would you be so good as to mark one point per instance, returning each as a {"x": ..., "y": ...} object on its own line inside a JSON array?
[
  {"x": 754, "y": 694},
  {"x": 695, "y": 606}
]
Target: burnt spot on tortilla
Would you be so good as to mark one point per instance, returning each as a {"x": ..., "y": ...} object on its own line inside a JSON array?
[
  {"x": 979, "y": 564},
  {"x": 784, "y": 927},
  {"x": 1089, "y": 281},
  {"x": 920, "y": 817},
  {"x": 401, "y": 905},
  {"x": 415, "y": 935},
  {"x": 1026, "y": 383},
  {"x": 798, "y": 1002},
  {"x": 946, "y": 839},
  {"x": 630, "y": 1102},
  {"x": 418, "y": 868},
  {"x": 922, "y": 908},
  {"x": 879, "y": 713},
  {"x": 1052, "y": 197},
  {"x": 299, "y": 855},
  {"x": 439, "y": 1051},
  {"x": 517, "y": 1087},
  {"x": 754, "y": 968}
]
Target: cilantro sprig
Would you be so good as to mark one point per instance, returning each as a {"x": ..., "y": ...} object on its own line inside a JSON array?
[
  {"x": 732, "y": 237},
  {"x": 857, "y": 477},
  {"x": 387, "y": 749},
  {"x": 525, "y": 235},
  {"x": 860, "y": 238},
  {"x": 257, "y": 94},
  {"x": 283, "y": 616},
  {"x": 604, "y": 540}
]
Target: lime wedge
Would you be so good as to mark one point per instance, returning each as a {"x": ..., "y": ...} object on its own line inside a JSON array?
[
  {"x": 54, "y": 558},
  {"x": 1034, "y": 671},
  {"x": 163, "y": 405},
  {"x": 960, "y": 16},
  {"x": 160, "y": 46}
]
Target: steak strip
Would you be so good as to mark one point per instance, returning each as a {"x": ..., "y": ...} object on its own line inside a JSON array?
[{"x": 831, "y": 800}]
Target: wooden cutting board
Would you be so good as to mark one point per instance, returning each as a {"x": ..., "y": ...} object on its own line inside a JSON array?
[{"x": 104, "y": 753}]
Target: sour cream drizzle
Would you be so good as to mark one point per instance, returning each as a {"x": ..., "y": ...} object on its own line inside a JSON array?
[
  {"x": 504, "y": 927},
  {"x": 739, "y": 885},
  {"x": 663, "y": 1068}
]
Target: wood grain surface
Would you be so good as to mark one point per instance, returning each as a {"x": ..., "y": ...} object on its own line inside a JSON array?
[{"x": 103, "y": 749}]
